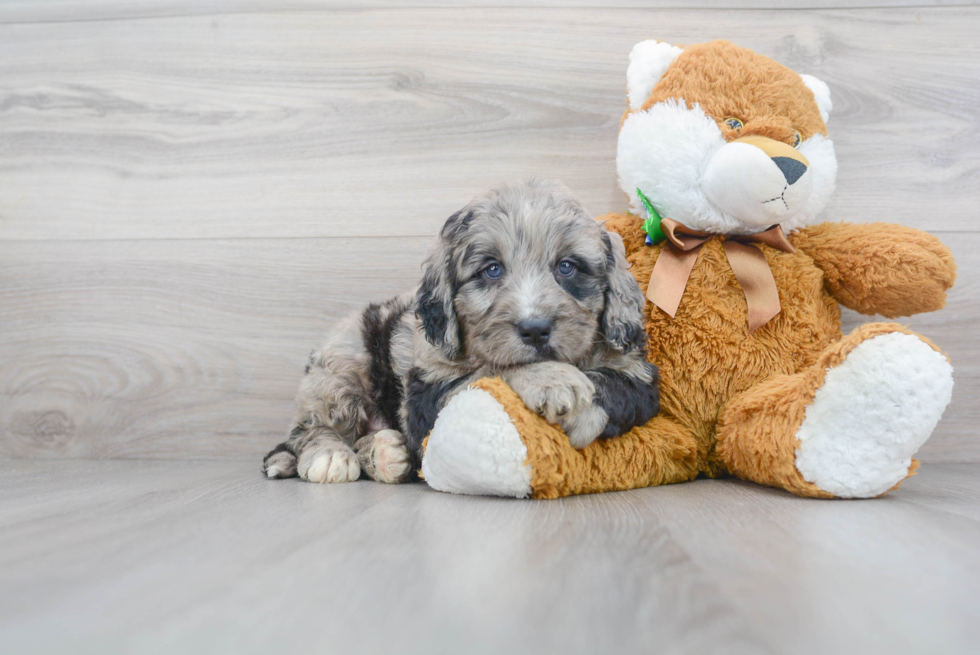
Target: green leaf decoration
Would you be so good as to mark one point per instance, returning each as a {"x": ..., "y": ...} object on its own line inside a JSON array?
[{"x": 652, "y": 223}]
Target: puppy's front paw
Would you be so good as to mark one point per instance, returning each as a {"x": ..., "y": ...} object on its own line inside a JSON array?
[
  {"x": 556, "y": 391},
  {"x": 329, "y": 463},
  {"x": 585, "y": 427},
  {"x": 384, "y": 456}
]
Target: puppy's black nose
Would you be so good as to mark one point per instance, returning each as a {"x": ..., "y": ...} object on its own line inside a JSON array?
[{"x": 535, "y": 331}]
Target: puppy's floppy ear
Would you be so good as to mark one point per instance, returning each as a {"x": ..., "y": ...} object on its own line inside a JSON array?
[
  {"x": 435, "y": 300},
  {"x": 623, "y": 318}
]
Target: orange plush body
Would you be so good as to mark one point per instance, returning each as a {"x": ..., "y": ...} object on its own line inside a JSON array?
[{"x": 792, "y": 404}]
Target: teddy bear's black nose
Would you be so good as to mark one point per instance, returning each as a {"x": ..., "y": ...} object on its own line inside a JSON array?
[{"x": 792, "y": 169}]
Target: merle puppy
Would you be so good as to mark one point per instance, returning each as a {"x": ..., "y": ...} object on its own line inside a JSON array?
[{"x": 522, "y": 284}]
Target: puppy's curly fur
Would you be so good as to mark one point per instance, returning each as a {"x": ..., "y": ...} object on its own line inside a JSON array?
[{"x": 522, "y": 284}]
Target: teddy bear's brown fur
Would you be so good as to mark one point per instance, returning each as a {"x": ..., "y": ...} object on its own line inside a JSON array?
[{"x": 732, "y": 401}]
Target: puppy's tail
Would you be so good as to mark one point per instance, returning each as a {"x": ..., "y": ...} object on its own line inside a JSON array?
[{"x": 280, "y": 462}]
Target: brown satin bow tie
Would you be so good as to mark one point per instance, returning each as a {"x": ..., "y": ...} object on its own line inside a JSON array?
[{"x": 676, "y": 261}]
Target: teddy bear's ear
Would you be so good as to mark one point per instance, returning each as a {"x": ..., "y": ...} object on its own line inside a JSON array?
[
  {"x": 822, "y": 93},
  {"x": 649, "y": 60}
]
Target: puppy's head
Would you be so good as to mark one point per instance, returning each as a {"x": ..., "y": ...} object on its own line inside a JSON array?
[{"x": 524, "y": 274}]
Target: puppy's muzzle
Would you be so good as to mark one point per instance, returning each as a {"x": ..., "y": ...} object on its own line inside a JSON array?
[{"x": 535, "y": 332}]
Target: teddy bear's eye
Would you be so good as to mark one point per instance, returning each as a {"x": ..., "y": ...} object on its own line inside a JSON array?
[
  {"x": 796, "y": 140},
  {"x": 734, "y": 123}
]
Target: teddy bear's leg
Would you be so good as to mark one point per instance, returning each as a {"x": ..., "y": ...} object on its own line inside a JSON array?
[
  {"x": 487, "y": 442},
  {"x": 846, "y": 427}
]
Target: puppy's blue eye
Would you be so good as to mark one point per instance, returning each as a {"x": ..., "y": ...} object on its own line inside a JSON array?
[
  {"x": 493, "y": 271},
  {"x": 566, "y": 268}
]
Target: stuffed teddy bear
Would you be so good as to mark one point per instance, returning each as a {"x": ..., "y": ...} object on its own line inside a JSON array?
[{"x": 726, "y": 161}]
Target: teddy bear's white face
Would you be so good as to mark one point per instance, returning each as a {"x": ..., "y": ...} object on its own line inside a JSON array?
[{"x": 681, "y": 161}]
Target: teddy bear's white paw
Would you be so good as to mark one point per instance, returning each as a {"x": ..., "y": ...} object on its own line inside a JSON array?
[
  {"x": 475, "y": 449},
  {"x": 872, "y": 414}
]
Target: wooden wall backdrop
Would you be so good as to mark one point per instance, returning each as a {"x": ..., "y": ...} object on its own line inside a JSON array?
[{"x": 191, "y": 191}]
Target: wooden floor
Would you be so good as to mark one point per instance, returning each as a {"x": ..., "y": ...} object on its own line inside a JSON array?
[
  {"x": 191, "y": 191},
  {"x": 209, "y": 557}
]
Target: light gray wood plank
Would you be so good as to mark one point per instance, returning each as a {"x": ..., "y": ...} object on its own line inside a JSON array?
[
  {"x": 181, "y": 348},
  {"x": 953, "y": 492},
  {"x": 372, "y": 122},
  {"x": 784, "y": 558},
  {"x": 193, "y": 349},
  {"x": 27, "y": 11},
  {"x": 359, "y": 566},
  {"x": 205, "y": 557}
]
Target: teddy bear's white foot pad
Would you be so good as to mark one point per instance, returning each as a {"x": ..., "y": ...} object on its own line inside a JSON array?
[
  {"x": 475, "y": 449},
  {"x": 872, "y": 413}
]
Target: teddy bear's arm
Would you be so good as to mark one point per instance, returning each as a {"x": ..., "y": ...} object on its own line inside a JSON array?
[{"x": 879, "y": 268}]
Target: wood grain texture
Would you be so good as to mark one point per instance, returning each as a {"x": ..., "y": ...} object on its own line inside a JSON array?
[
  {"x": 191, "y": 192},
  {"x": 166, "y": 557},
  {"x": 193, "y": 349},
  {"x": 28, "y": 11},
  {"x": 173, "y": 348},
  {"x": 355, "y": 123}
]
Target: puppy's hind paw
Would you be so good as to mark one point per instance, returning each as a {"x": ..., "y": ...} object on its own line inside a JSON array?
[
  {"x": 329, "y": 464},
  {"x": 384, "y": 456},
  {"x": 279, "y": 463}
]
